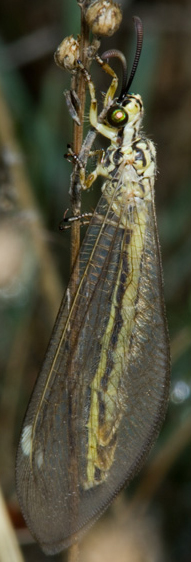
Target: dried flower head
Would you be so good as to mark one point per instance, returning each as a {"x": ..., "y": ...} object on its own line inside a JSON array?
[
  {"x": 103, "y": 17},
  {"x": 68, "y": 53}
]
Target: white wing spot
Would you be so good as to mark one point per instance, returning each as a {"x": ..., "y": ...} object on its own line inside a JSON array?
[
  {"x": 39, "y": 458},
  {"x": 26, "y": 440}
]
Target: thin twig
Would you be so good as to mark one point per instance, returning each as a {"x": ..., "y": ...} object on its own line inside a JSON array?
[
  {"x": 77, "y": 142},
  {"x": 73, "y": 552}
]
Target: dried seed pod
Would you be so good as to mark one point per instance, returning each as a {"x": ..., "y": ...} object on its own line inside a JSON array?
[
  {"x": 67, "y": 53},
  {"x": 103, "y": 17}
]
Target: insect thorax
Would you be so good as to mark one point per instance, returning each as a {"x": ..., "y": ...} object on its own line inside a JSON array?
[{"x": 130, "y": 160}]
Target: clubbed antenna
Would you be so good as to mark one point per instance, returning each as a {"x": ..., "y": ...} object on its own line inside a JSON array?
[{"x": 139, "y": 31}]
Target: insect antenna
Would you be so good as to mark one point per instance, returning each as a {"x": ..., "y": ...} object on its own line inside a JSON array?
[
  {"x": 139, "y": 31},
  {"x": 117, "y": 54}
]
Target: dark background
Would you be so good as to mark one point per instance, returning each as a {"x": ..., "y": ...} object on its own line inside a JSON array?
[{"x": 34, "y": 257}]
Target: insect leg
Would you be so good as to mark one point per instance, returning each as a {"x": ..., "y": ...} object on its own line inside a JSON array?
[
  {"x": 105, "y": 130},
  {"x": 66, "y": 222},
  {"x": 100, "y": 170},
  {"x": 113, "y": 86}
]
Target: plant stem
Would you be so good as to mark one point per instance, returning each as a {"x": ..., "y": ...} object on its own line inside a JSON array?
[{"x": 75, "y": 190}]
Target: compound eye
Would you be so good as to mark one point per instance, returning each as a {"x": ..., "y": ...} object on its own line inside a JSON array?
[{"x": 117, "y": 116}]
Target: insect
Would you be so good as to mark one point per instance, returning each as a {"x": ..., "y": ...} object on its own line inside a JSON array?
[{"x": 102, "y": 393}]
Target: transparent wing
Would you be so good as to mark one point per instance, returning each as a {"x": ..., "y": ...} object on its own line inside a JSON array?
[{"x": 101, "y": 395}]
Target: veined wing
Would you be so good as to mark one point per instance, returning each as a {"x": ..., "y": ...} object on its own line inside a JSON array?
[{"x": 101, "y": 396}]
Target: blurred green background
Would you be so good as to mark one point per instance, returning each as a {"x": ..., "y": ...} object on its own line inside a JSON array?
[{"x": 35, "y": 128}]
